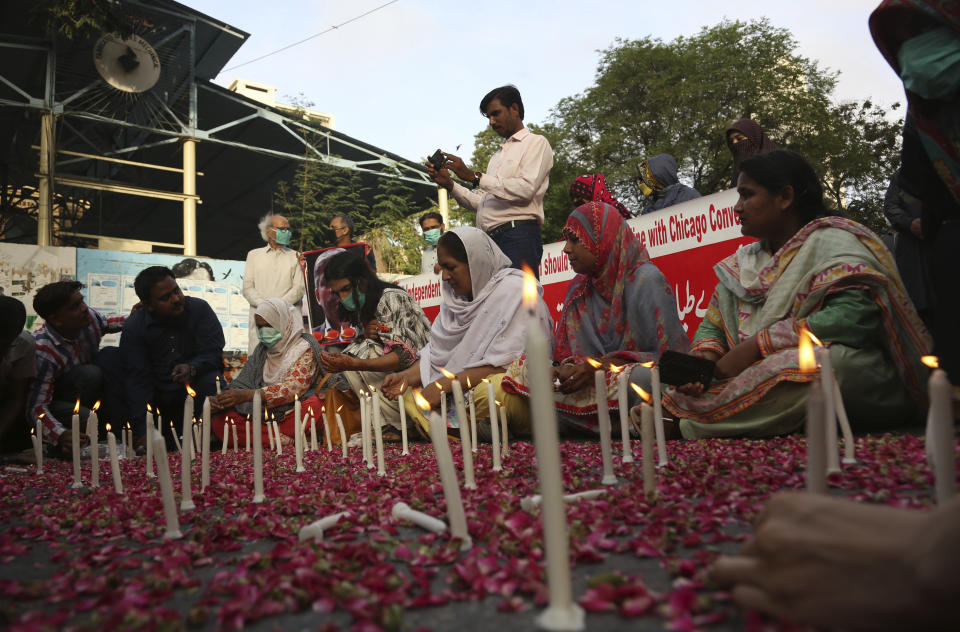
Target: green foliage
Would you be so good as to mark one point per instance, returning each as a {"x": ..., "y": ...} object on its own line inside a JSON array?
[
  {"x": 680, "y": 97},
  {"x": 485, "y": 144},
  {"x": 80, "y": 19}
]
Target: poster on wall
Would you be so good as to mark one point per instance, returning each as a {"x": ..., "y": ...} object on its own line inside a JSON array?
[
  {"x": 108, "y": 277},
  {"x": 26, "y": 268}
]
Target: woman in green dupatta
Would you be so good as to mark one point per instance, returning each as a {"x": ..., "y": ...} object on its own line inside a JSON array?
[{"x": 828, "y": 274}]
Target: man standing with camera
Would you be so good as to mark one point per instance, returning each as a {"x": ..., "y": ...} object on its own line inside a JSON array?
[{"x": 508, "y": 198}]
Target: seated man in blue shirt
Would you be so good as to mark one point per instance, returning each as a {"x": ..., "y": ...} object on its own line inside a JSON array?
[{"x": 173, "y": 341}]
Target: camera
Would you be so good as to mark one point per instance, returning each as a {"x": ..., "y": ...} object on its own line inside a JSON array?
[{"x": 437, "y": 160}]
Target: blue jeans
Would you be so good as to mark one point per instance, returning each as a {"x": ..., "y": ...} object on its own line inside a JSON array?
[{"x": 522, "y": 244}]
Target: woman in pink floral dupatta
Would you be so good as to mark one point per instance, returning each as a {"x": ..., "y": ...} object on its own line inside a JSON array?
[{"x": 619, "y": 309}]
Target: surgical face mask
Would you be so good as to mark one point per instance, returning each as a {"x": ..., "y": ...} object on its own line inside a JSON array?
[
  {"x": 282, "y": 236},
  {"x": 268, "y": 336},
  {"x": 930, "y": 63},
  {"x": 432, "y": 236},
  {"x": 354, "y": 305}
]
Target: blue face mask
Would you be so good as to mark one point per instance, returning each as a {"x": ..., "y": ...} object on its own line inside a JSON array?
[
  {"x": 283, "y": 236},
  {"x": 354, "y": 305},
  {"x": 432, "y": 236},
  {"x": 930, "y": 63},
  {"x": 268, "y": 336}
]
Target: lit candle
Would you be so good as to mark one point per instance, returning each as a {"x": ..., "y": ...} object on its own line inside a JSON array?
[
  {"x": 816, "y": 433},
  {"x": 494, "y": 425},
  {"x": 186, "y": 461},
  {"x": 114, "y": 463},
  {"x": 403, "y": 418},
  {"x": 75, "y": 433},
  {"x": 248, "y": 433},
  {"x": 123, "y": 437},
  {"x": 276, "y": 432},
  {"x": 473, "y": 416},
  {"x": 647, "y": 439},
  {"x": 314, "y": 530},
  {"x": 257, "y": 448},
  {"x": 603, "y": 421},
  {"x": 93, "y": 431},
  {"x": 197, "y": 445},
  {"x": 402, "y": 511},
  {"x": 226, "y": 437},
  {"x": 151, "y": 425},
  {"x": 218, "y": 384},
  {"x": 834, "y": 411},
  {"x": 298, "y": 437},
  {"x": 236, "y": 442},
  {"x": 657, "y": 412},
  {"x": 562, "y": 613},
  {"x": 166, "y": 488},
  {"x": 343, "y": 434},
  {"x": 461, "y": 409},
  {"x": 366, "y": 453},
  {"x": 270, "y": 435},
  {"x": 849, "y": 446},
  {"x": 443, "y": 403},
  {"x": 378, "y": 430},
  {"x": 176, "y": 441},
  {"x": 448, "y": 476},
  {"x": 624, "y": 410},
  {"x": 205, "y": 445},
  {"x": 504, "y": 428},
  {"x": 940, "y": 432},
  {"x": 37, "y": 448}
]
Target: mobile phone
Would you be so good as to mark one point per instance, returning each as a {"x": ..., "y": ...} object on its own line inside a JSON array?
[
  {"x": 437, "y": 160},
  {"x": 677, "y": 369}
]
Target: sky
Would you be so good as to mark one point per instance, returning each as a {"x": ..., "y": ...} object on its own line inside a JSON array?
[{"x": 409, "y": 77}]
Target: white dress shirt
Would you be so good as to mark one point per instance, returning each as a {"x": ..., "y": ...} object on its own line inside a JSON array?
[
  {"x": 514, "y": 184},
  {"x": 271, "y": 273}
]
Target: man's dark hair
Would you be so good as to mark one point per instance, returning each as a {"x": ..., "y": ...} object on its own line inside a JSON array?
[
  {"x": 13, "y": 316},
  {"x": 506, "y": 95},
  {"x": 346, "y": 220},
  {"x": 431, "y": 215},
  {"x": 148, "y": 277},
  {"x": 51, "y": 297}
]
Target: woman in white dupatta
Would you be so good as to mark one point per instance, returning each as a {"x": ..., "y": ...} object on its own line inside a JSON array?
[{"x": 480, "y": 329}]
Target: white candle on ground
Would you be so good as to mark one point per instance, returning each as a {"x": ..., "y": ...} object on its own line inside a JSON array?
[
  {"x": 377, "y": 429},
  {"x": 276, "y": 437},
  {"x": 443, "y": 403},
  {"x": 623, "y": 411},
  {"x": 298, "y": 436},
  {"x": 830, "y": 410},
  {"x": 849, "y": 446},
  {"x": 236, "y": 442},
  {"x": 270, "y": 436},
  {"x": 448, "y": 476},
  {"x": 657, "y": 412},
  {"x": 816, "y": 439},
  {"x": 114, "y": 463},
  {"x": 941, "y": 433},
  {"x": 461, "y": 409},
  {"x": 313, "y": 433},
  {"x": 314, "y": 530},
  {"x": 343, "y": 434},
  {"x": 166, "y": 487},
  {"x": 365, "y": 453},
  {"x": 562, "y": 613},
  {"x": 123, "y": 437},
  {"x": 93, "y": 431},
  {"x": 647, "y": 434},
  {"x": 257, "y": 448},
  {"x": 75, "y": 445},
  {"x": 402, "y": 511},
  {"x": 248, "y": 433},
  {"x": 37, "y": 448},
  {"x": 218, "y": 384},
  {"x": 207, "y": 422},
  {"x": 494, "y": 426},
  {"x": 473, "y": 416},
  {"x": 226, "y": 436},
  {"x": 176, "y": 441},
  {"x": 504, "y": 430},
  {"x": 151, "y": 425},
  {"x": 603, "y": 421},
  {"x": 186, "y": 482},
  {"x": 532, "y": 502},
  {"x": 197, "y": 445},
  {"x": 403, "y": 419}
]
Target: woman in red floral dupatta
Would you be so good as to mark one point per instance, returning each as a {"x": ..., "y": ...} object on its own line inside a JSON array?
[{"x": 619, "y": 309}]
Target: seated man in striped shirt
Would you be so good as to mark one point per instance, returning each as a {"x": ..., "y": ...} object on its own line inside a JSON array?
[{"x": 70, "y": 364}]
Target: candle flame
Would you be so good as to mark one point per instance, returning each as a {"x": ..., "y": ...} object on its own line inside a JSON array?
[
  {"x": 649, "y": 364},
  {"x": 296, "y": 397},
  {"x": 645, "y": 396},
  {"x": 128, "y": 426},
  {"x": 805, "y": 356},
  {"x": 190, "y": 391},
  {"x": 469, "y": 386},
  {"x": 421, "y": 400},
  {"x": 814, "y": 339},
  {"x": 76, "y": 407},
  {"x": 108, "y": 427},
  {"x": 323, "y": 409},
  {"x": 372, "y": 390},
  {"x": 96, "y": 406},
  {"x": 171, "y": 423},
  {"x": 497, "y": 402},
  {"x": 338, "y": 408},
  {"x": 42, "y": 415},
  {"x": 931, "y": 361},
  {"x": 447, "y": 373},
  {"x": 595, "y": 364},
  {"x": 485, "y": 381},
  {"x": 149, "y": 410},
  {"x": 616, "y": 369},
  {"x": 530, "y": 291},
  {"x": 33, "y": 432},
  {"x": 439, "y": 386}
]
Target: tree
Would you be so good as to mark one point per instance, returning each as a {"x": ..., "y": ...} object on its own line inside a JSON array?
[{"x": 679, "y": 97}]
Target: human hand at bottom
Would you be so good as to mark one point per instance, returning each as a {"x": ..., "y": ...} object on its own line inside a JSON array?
[
  {"x": 835, "y": 563},
  {"x": 573, "y": 377},
  {"x": 393, "y": 385},
  {"x": 66, "y": 441}
]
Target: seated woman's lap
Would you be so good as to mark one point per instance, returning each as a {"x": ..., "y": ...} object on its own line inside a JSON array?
[{"x": 285, "y": 424}]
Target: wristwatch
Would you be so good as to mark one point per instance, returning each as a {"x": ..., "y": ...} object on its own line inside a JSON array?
[{"x": 476, "y": 179}]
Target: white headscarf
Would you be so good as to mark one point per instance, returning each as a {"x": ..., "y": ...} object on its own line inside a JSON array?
[
  {"x": 286, "y": 319},
  {"x": 490, "y": 329}
]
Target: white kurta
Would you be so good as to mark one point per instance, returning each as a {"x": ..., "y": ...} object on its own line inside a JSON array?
[{"x": 271, "y": 273}]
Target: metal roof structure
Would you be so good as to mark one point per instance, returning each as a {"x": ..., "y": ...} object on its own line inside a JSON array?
[{"x": 184, "y": 163}]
